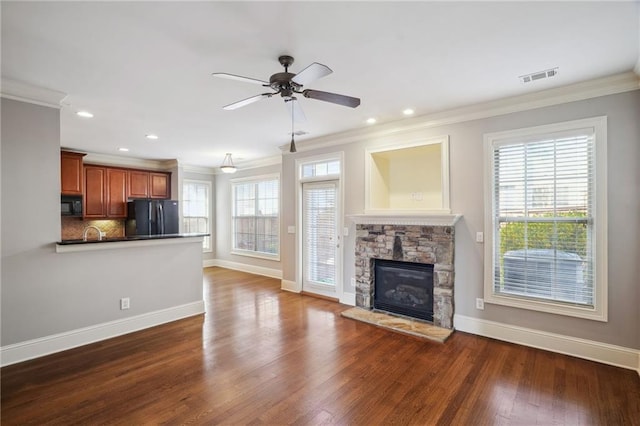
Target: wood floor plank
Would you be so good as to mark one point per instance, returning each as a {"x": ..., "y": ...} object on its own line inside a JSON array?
[{"x": 264, "y": 356}]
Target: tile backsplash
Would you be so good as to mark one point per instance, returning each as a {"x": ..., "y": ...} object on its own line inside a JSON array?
[{"x": 73, "y": 227}]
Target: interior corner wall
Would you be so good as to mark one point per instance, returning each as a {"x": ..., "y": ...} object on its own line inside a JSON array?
[
  {"x": 223, "y": 212},
  {"x": 466, "y": 189}
]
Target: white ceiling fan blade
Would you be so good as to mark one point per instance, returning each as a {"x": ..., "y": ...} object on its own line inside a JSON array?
[
  {"x": 311, "y": 74},
  {"x": 293, "y": 106},
  {"x": 240, "y": 78},
  {"x": 247, "y": 101}
]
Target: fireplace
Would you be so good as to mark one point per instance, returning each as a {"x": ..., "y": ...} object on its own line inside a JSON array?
[
  {"x": 403, "y": 288},
  {"x": 425, "y": 240}
]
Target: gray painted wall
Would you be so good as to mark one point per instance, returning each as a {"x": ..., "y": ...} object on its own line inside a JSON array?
[
  {"x": 223, "y": 211},
  {"x": 466, "y": 175},
  {"x": 44, "y": 292}
]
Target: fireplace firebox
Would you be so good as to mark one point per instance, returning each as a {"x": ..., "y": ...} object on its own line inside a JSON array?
[{"x": 404, "y": 288}]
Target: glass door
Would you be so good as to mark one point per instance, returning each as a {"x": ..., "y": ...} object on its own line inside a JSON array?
[{"x": 320, "y": 237}]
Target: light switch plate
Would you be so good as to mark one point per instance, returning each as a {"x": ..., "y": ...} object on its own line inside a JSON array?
[
  {"x": 479, "y": 237},
  {"x": 291, "y": 229}
]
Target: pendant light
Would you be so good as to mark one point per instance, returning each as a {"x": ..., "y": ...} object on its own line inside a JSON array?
[{"x": 227, "y": 165}]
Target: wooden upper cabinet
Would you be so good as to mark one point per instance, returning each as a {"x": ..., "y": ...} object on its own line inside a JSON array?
[
  {"x": 138, "y": 184},
  {"x": 71, "y": 177},
  {"x": 160, "y": 185},
  {"x": 116, "y": 190},
  {"x": 95, "y": 198},
  {"x": 105, "y": 192}
]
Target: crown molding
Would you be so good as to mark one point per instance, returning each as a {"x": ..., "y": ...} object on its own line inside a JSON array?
[
  {"x": 135, "y": 163},
  {"x": 198, "y": 169},
  {"x": 610, "y": 85},
  {"x": 254, "y": 164},
  {"x": 24, "y": 92}
]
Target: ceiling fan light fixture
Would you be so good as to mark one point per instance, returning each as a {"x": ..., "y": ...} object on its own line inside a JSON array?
[{"x": 227, "y": 165}]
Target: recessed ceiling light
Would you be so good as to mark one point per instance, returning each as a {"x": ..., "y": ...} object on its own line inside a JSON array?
[
  {"x": 408, "y": 111},
  {"x": 84, "y": 114},
  {"x": 371, "y": 120},
  {"x": 123, "y": 149},
  {"x": 152, "y": 136}
]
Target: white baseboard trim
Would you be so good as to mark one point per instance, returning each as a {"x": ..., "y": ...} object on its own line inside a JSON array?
[
  {"x": 291, "y": 286},
  {"x": 243, "y": 267},
  {"x": 47, "y": 345},
  {"x": 588, "y": 349},
  {"x": 348, "y": 299}
]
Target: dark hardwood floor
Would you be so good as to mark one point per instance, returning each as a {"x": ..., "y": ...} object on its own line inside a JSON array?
[{"x": 261, "y": 355}]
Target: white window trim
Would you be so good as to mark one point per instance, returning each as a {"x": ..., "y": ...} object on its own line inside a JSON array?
[
  {"x": 210, "y": 208},
  {"x": 599, "y": 312},
  {"x": 250, "y": 253},
  {"x": 299, "y": 163}
]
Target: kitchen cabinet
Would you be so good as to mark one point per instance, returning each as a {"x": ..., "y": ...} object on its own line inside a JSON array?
[
  {"x": 160, "y": 185},
  {"x": 71, "y": 178},
  {"x": 116, "y": 190},
  {"x": 105, "y": 192},
  {"x": 138, "y": 184},
  {"x": 95, "y": 198},
  {"x": 144, "y": 184}
]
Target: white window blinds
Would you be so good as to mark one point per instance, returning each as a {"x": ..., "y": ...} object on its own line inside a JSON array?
[
  {"x": 543, "y": 217},
  {"x": 320, "y": 221}
]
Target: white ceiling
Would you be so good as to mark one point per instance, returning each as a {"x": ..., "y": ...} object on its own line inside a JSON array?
[{"x": 145, "y": 67}]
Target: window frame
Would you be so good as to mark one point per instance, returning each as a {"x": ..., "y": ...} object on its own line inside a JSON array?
[
  {"x": 255, "y": 180},
  {"x": 599, "y": 311},
  {"x": 209, "y": 186}
]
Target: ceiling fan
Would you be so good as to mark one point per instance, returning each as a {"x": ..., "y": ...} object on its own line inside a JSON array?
[{"x": 287, "y": 85}]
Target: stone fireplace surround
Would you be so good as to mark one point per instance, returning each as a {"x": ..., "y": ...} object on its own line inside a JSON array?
[{"x": 426, "y": 239}]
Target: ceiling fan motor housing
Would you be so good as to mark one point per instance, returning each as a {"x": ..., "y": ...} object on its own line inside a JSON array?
[{"x": 281, "y": 83}]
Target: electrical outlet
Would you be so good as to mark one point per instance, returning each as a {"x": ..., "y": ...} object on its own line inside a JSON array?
[
  {"x": 480, "y": 304},
  {"x": 103, "y": 234},
  {"x": 124, "y": 303},
  {"x": 353, "y": 282}
]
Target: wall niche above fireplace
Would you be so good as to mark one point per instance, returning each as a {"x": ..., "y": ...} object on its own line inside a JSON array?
[{"x": 409, "y": 177}]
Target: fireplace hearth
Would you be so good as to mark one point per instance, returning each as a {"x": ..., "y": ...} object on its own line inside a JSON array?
[{"x": 403, "y": 288}]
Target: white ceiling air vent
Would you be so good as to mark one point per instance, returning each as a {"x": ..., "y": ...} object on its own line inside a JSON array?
[{"x": 528, "y": 78}]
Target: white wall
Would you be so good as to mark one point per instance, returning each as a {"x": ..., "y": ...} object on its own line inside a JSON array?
[
  {"x": 46, "y": 293},
  {"x": 466, "y": 176}
]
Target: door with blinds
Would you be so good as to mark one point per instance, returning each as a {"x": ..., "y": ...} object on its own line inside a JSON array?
[{"x": 320, "y": 243}]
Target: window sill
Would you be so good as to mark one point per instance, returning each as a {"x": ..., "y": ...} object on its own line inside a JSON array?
[
  {"x": 265, "y": 256},
  {"x": 546, "y": 306}
]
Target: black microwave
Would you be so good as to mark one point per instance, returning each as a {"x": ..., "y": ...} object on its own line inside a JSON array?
[{"x": 71, "y": 205}]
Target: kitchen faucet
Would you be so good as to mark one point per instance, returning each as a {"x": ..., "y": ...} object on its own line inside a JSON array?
[{"x": 86, "y": 230}]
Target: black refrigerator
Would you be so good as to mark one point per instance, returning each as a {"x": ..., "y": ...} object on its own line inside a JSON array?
[{"x": 151, "y": 217}]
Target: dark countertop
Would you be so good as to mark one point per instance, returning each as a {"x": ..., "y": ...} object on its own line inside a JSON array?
[{"x": 132, "y": 238}]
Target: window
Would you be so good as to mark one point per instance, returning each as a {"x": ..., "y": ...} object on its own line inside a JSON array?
[
  {"x": 546, "y": 218},
  {"x": 196, "y": 209},
  {"x": 320, "y": 168},
  {"x": 256, "y": 218}
]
